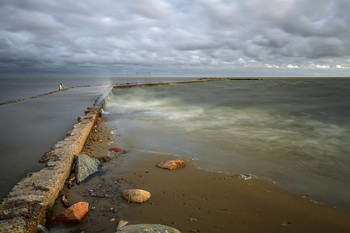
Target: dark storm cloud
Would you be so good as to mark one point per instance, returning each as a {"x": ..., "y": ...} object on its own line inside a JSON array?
[{"x": 218, "y": 37}]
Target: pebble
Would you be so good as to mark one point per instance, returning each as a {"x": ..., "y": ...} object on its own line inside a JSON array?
[
  {"x": 64, "y": 200},
  {"x": 121, "y": 224}
]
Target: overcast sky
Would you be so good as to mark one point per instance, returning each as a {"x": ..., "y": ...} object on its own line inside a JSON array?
[{"x": 111, "y": 38}]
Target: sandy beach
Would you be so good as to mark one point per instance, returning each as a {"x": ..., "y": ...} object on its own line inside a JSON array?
[{"x": 190, "y": 199}]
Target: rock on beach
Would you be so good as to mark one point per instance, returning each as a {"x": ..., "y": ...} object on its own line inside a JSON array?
[
  {"x": 86, "y": 166},
  {"x": 121, "y": 224},
  {"x": 118, "y": 150},
  {"x": 171, "y": 164},
  {"x": 136, "y": 195},
  {"x": 149, "y": 228},
  {"x": 104, "y": 159},
  {"x": 75, "y": 213},
  {"x": 64, "y": 200}
]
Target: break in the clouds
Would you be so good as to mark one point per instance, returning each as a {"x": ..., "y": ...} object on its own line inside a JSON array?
[{"x": 175, "y": 37}]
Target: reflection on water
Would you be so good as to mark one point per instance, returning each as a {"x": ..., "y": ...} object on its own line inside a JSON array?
[{"x": 295, "y": 132}]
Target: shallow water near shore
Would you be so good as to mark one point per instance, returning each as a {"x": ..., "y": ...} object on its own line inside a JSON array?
[{"x": 293, "y": 132}]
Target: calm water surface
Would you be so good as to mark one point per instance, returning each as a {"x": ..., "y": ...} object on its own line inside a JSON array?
[{"x": 293, "y": 132}]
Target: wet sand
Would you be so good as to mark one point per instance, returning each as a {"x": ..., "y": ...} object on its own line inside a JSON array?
[{"x": 190, "y": 199}]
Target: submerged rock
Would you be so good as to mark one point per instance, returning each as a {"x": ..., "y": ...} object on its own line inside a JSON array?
[
  {"x": 149, "y": 228},
  {"x": 136, "y": 195},
  {"x": 86, "y": 166},
  {"x": 171, "y": 164},
  {"x": 75, "y": 213}
]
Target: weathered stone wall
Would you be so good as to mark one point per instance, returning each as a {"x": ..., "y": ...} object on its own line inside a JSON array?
[{"x": 31, "y": 199}]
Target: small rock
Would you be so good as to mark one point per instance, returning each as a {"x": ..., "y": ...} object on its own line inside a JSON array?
[
  {"x": 121, "y": 224},
  {"x": 71, "y": 182},
  {"x": 86, "y": 166},
  {"x": 75, "y": 213},
  {"x": 149, "y": 228},
  {"x": 247, "y": 176},
  {"x": 193, "y": 220},
  {"x": 171, "y": 164},
  {"x": 64, "y": 200},
  {"x": 136, "y": 195},
  {"x": 50, "y": 165},
  {"x": 43, "y": 229},
  {"x": 104, "y": 159},
  {"x": 119, "y": 150},
  {"x": 286, "y": 223}
]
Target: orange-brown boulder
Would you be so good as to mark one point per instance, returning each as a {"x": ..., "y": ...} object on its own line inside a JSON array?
[
  {"x": 171, "y": 164},
  {"x": 136, "y": 195},
  {"x": 75, "y": 213}
]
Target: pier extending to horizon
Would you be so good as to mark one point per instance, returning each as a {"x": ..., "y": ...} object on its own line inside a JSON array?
[{"x": 60, "y": 89}]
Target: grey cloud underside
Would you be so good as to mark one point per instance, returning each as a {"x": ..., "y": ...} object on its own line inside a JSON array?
[{"x": 214, "y": 37}]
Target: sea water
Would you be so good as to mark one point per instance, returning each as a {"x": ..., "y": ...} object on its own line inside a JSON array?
[{"x": 294, "y": 132}]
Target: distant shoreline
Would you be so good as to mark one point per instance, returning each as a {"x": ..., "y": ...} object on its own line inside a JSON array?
[{"x": 185, "y": 77}]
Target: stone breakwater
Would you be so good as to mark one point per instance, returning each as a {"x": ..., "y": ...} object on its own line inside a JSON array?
[
  {"x": 126, "y": 85},
  {"x": 28, "y": 203}
]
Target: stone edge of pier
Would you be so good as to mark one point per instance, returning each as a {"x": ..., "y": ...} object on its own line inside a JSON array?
[{"x": 28, "y": 203}]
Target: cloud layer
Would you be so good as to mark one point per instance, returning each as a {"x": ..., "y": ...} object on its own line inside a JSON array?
[{"x": 175, "y": 37}]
